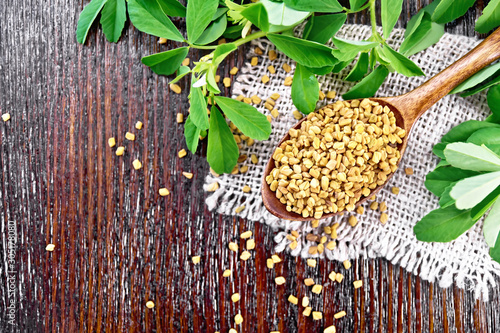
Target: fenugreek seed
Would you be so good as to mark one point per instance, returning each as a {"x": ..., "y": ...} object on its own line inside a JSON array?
[
  {"x": 384, "y": 218},
  {"x": 311, "y": 262},
  {"x": 347, "y": 264},
  {"x": 332, "y": 276},
  {"x": 213, "y": 187},
  {"x": 233, "y": 71},
  {"x": 180, "y": 118},
  {"x": 247, "y": 100},
  {"x": 360, "y": 210},
  {"x": 239, "y": 209},
  {"x": 297, "y": 115},
  {"x": 258, "y": 51},
  {"x": 275, "y": 113},
  {"x": 280, "y": 280},
  {"x": 256, "y": 99},
  {"x": 250, "y": 142},
  {"x": 313, "y": 250},
  {"x": 182, "y": 153},
  {"x": 276, "y": 259},
  {"x": 309, "y": 282},
  {"x": 275, "y": 96},
  {"x": 120, "y": 150},
  {"x": 254, "y": 159},
  {"x": 395, "y": 190},
  {"x": 317, "y": 315},
  {"x": 254, "y": 61},
  {"x": 163, "y": 192},
  {"x": 217, "y": 78},
  {"x": 339, "y": 315},
  {"x": 50, "y": 247},
  {"x": 409, "y": 171},
  {"x": 111, "y": 142},
  {"x": 137, "y": 164},
  {"x": 321, "y": 95},
  {"x": 162, "y": 40},
  {"x": 293, "y": 245},
  {"x": 269, "y": 263},
  {"x": 339, "y": 277},
  {"x": 307, "y": 311},
  {"x": 331, "y": 245},
  {"x": 330, "y": 329},
  {"x": 265, "y": 79},
  {"x": 138, "y": 125},
  {"x": 317, "y": 289},
  {"x": 292, "y": 299},
  {"x": 233, "y": 246},
  {"x": 175, "y": 88},
  {"x": 246, "y": 189},
  {"x": 227, "y": 82},
  {"x": 226, "y": 273},
  {"x": 150, "y": 304},
  {"x": 186, "y": 62},
  {"x": 250, "y": 244},
  {"x": 244, "y": 169},
  {"x": 232, "y": 330},
  {"x": 288, "y": 81},
  {"x": 196, "y": 259},
  {"x": 357, "y": 284},
  {"x": 188, "y": 175},
  {"x": 240, "y": 98},
  {"x": 287, "y": 68},
  {"x": 246, "y": 234},
  {"x": 271, "y": 69},
  {"x": 238, "y": 319},
  {"x": 130, "y": 136},
  {"x": 353, "y": 220},
  {"x": 383, "y": 206},
  {"x": 269, "y": 118},
  {"x": 331, "y": 94},
  {"x": 235, "y": 297},
  {"x": 314, "y": 223},
  {"x": 272, "y": 55},
  {"x": 374, "y": 205},
  {"x": 215, "y": 174}
]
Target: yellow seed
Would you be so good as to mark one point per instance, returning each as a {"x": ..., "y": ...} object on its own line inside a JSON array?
[
  {"x": 233, "y": 71},
  {"x": 227, "y": 82},
  {"x": 162, "y": 40},
  {"x": 272, "y": 55},
  {"x": 239, "y": 209},
  {"x": 244, "y": 169},
  {"x": 186, "y": 62},
  {"x": 163, "y": 191},
  {"x": 137, "y": 164},
  {"x": 254, "y": 61},
  {"x": 293, "y": 245},
  {"x": 240, "y": 97},
  {"x": 360, "y": 210},
  {"x": 317, "y": 289},
  {"x": 250, "y": 244},
  {"x": 307, "y": 311},
  {"x": 130, "y": 136},
  {"x": 384, "y": 218},
  {"x": 311, "y": 262},
  {"x": 374, "y": 205},
  {"x": 238, "y": 319},
  {"x": 305, "y": 301},
  {"x": 297, "y": 115},
  {"x": 409, "y": 171},
  {"x": 357, "y": 284},
  {"x": 331, "y": 245},
  {"x": 196, "y": 259},
  {"x": 339, "y": 277},
  {"x": 321, "y": 95},
  {"x": 182, "y": 153},
  {"x": 226, "y": 273},
  {"x": 347, "y": 264},
  {"x": 331, "y": 94},
  {"x": 276, "y": 259},
  {"x": 395, "y": 190},
  {"x": 188, "y": 175},
  {"x": 330, "y": 329},
  {"x": 254, "y": 159},
  {"x": 235, "y": 297},
  {"x": 150, "y": 304},
  {"x": 288, "y": 81},
  {"x": 233, "y": 246},
  {"x": 280, "y": 280},
  {"x": 332, "y": 276},
  {"x": 180, "y": 118},
  {"x": 232, "y": 330},
  {"x": 256, "y": 99},
  {"x": 175, "y": 88},
  {"x": 265, "y": 79},
  {"x": 269, "y": 118},
  {"x": 271, "y": 69},
  {"x": 339, "y": 314},
  {"x": 292, "y": 299},
  {"x": 50, "y": 247},
  {"x": 120, "y": 150},
  {"x": 221, "y": 41},
  {"x": 213, "y": 187},
  {"x": 308, "y": 282},
  {"x": 246, "y": 189},
  {"x": 246, "y": 234},
  {"x": 258, "y": 51},
  {"x": 275, "y": 113},
  {"x": 383, "y": 206},
  {"x": 317, "y": 315},
  {"x": 217, "y": 78},
  {"x": 138, "y": 125},
  {"x": 269, "y": 263},
  {"x": 314, "y": 223},
  {"x": 275, "y": 96},
  {"x": 353, "y": 220},
  {"x": 111, "y": 142},
  {"x": 287, "y": 68},
  {"x": 247, "y": 100}
]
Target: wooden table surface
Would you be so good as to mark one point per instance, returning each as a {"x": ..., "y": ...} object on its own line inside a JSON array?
[{"x": 118, "y": 244}]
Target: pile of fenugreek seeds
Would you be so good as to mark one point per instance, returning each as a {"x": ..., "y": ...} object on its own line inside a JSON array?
[{"x": 340, "y": 153}]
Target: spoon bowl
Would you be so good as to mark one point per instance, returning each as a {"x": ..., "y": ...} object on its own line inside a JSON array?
[{"x": 407, "y": 109}]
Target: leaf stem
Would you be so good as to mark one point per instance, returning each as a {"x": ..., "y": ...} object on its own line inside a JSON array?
[
  {"x": 250, "y": 37},
  {"x": 202, "y": 47},
  {"x": 373, "y": 21},
  {"x": 349, "y": 11}
]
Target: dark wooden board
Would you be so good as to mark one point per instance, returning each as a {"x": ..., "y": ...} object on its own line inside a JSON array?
[{"x": 118, "y": 244}]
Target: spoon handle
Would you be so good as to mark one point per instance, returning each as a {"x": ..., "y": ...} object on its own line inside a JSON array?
[{"x": 413, "y": 104}]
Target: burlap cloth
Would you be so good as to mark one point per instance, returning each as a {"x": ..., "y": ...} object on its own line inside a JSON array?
[{"x": 464, "y": 261}]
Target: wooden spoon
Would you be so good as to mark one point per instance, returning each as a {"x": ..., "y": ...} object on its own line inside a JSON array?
[{"x": 407, "y": 109}]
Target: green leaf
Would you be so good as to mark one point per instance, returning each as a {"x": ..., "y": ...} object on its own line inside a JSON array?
[
  {"x": 87, "y": 17},
  {"x": 490, "y": 18},
  {"x": 305, "y": 90},
  {"x": 211, "y": 84},
  {"x": 360, "y": 69},
  {"x": 471, "y": 191},
  {"x": 222, "y": 150},
  {"x": 281, "y": 16},
  {"x": 477, "y": 78},
  {"x": 181, "y": 72},
  {"x": 348, "y": 49},
  {"x": 322, "y": 70},
  {"x": 199, "y": 14},
  {"x": 490, "y": 137},
  {"x": 356, "y": 4},
  {"x": 490, "y": 82},
  {"x": 424, "y": 34},
  {"x": 369, "y": 85},
  {"x": 213, "y": 32},
  {"x": 198, "y": 107},
  {"x": 321, "y": 28},
  {"x": 495, "y": 251},
  {"x": 478, "y": 211},
  {"x": 400, "y": 63},
  {"x": 249, "y": 121},
  {"x": 446, "y": 199},
  {"x": 389, "y": 12},
  {"x": 319, "y": 6},
  {"x": 438, "y": 149},
  {"x": 172, "y": 8},
  {"x": 340, "y": 66},
  {"x": 166, "y": 63},
  {"x": 491, "y": 226},
  {"x": 464, "y": 130},
  {"x": 233, "y": 32},
  {"x": 443, "y": 225},
  {"x": 438, "y": 180},
  {"x": 413, "y": 24},
  {"x": 221, "y": 52},
  {"x": 307, "y": 53},
  {"x": 449, "y": 10},
  {"x": 493, "y": 98},
  {"x": 113, "y": 17},
  {"x": 257, "y": 14},
  {"x": 469, "y": 156},
  {"x": 192, "y": 135},
  {"x": 148, "y": 17}
]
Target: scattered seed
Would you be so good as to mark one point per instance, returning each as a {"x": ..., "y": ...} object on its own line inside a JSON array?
[
  {"x": 305, "y": 301},
  {"x": 395, "y": 190},
  {"x": 254, "y": 159},
  {"x": 240, "y": 98},
  {"x": 357, "y": 284},
  {"x": 269, "y": 118},
  {"x": 272, "y": 55},
  {"x": 269, "y": 263},
  {"x": 409, "y": 171},
  {"x": 265, "y": 79},
  {"x": 137, "y": 164},
  {"x": 186, "y": 62},
  {"x": 235, "y": 297},
  {"x": 233, "y": 71},
  {"x": 217, "y": 78},
  {"x": 271, "y": 69},
  {"x": 227, "y": 82},
  {"x": 308, "y": 282},
  {"x": 182, "y": 153},
  {"x": 256, "y": 99},
  {"x": 258, "y": 51},
  {"x": 239, "y": 209},
  {"x": 384, "y": 218},
  {"x": 373, "y": 197},
  {"x": 215, "y": 174},
  {"x": 269, "y": 106},
  {"x": 247, "y": 100},
  {"x": 130, "y": 136},
  {"x": 382, "y": 207},
  {"x": 275, "y": 113},
  {"x": 360, "y": 210},
  {"x": 188, "y": 175},
  {"x": 353, "y": 220},
  {"x": 288, "y": 81},
  {"x": 339, "y": 277},
  {"x": 196, "y": 259},
  {"x": 238, "y": 319},
  {"x": 339, "y": 315},
  {"x": 233, "y": 246},
  {"x": 311, "y": 262},
  {"x": 175, "y": 88},
  {"x": 250, "y": 244},
  {"x": 331, "y": 245},
  {"x": 332, "y": 276},
  {"x": 244, "y": 169},
  {"x": 313, "y": 250},
  {"x": 307, "y": 311},
  {"x": 331, "y": 94},
  {"x": 226, "y": 273},
  {"x": 180, "y": 118},
  {"x": 163, "y": 192},
  {"x": 232, "y": 330},
  {"x": 280, "y": 280},
  {"x": 254, "y": 61},
  {"x": 347, "y": 264},
  {"x": 50, "y": 247},
  {"x": 287, "y": 68},
  {"x": 374, "y": 205},
  {"x": 330, "y": 329},
  {"x": 150, "y": 304},
  {"x": 246, "y": 234},
  {"x": 317, "y": 315},
  {"x": 138, "y": 125},
  {"x": 293, "y": 245},
  {"x": 297, "y": 115},
  {"x": 292, "y": 299},
  {"x": 162, "y": 40},
  {"x": 213, "y": 187},
  {"x": 276, "y": 259},
  {"x": 120, "y": 150},
  {"x": 321, "y": 95},
  {"x": 111, "y": 142},
  {"x": 317, "y": 289}
]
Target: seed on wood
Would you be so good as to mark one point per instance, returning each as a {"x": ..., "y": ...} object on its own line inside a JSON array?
[
  {"x": 287, "y": 68},
  {"x": 138, "y": 125},
  {"x": 330, "y": 329},
  {"x": 246, "y": 234},
  {"x": 233, "y": 246},
  {"x": 120, "y": 150},
  {"x": 272, "y": 55},
  {"x": 332, "y": 276},
  {"x": 374, "y": 205},
  {"x": 276, "y": 259},
  {"x": 180, "y": 118},
  {"x": 347, "y": 264},
  {"x": 150, "y": 304},
  {"x": 50, "y": 247},
  {"x": 232, "y": 330},
  {"x": 353, "y": 220},
  {"x": 311, "y": 262},
  {"x": 269, "y": 263},
  {"x": 226, "y": 273},
  {"x": 307, "y": 311},
  {"x": 130, "y": 136},
  {"x": 233, "y": 71},
  {"x": 339, "y": 315},
  {"x": 227, "y": 82},
  {"x": 331, "y": 245},
  {"x": 265, "y": 79},
  {"x": 182, "y": 153},
  {"x": 280, "y": 280},
  {"x": 238, "y": 319},
  {"x": 317, "y": 289},
  {"x": 331, "y": 94},
  {"x": 163, "y": 191},
  {"x": 188, "y": 175},
  {"x": 275, "y": 113},
  {"x": 357, "y": 284},
  {"x": 382, "y": 207},
  {"x": 196, "y": 259},
  {"x": 221, "y": 41},
  {"x": 217, "y": 78},
  {"x": 235, "y": 297},
  {"x": 250, "y": 244},
  {"x": 384, "y": 218},
  {"x": 111, "y": 142},
  {"x": 271, "y": 69},
  {"x": 186, "y": 62},
  {"x": 258, "y": 51},
  {"x": 162, "y": 40},
  {"x": 305, "y": 301},
  {"x": 409, "y": 171},
  {"x": 137, "y": 164},
  {"x": 292, "y": 299},
  {"x": 256, "y": 99},
  {"x": 239, "y": 209},
  {"x": 213, "y": 187},
  {"x": 395, "y": 190},
  {"x": 308, "y": 282},
  {"x": 288, "y": 81},
  {"x": 175, "y": 88},
  {"x": 254, "y": 61},
  {"x": 317, "y": 315},
  {"x": 339, "y": 277},
  {"x": 297, "y": 115}
]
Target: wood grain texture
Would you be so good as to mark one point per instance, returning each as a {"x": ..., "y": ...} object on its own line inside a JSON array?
[{"x": 118, "y": 243}]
